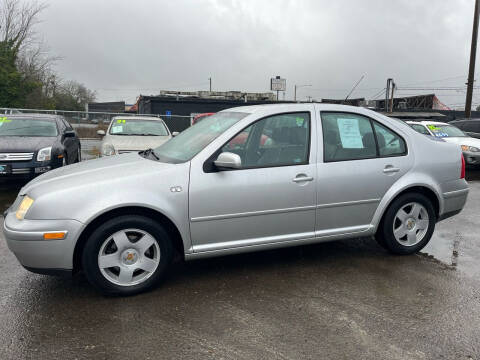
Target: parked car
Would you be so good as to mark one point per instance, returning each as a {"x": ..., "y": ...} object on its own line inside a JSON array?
[
  {"x": 469, "y": 126},
  {"x": 470, "y": 146},
  {"x": 200, "y": 117},
  {"x": 133, "y": 134},
  {"x": 31, "y": 144},
  {"x": 330, "y": 172}
]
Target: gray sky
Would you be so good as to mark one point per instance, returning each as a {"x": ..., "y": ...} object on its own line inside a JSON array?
[{"x": 122, "y": 48}]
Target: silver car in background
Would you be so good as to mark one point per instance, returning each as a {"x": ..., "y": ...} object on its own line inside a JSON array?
[
  {"x": 245, "y": 179},
  {"x": 470, "y": 146},
  {"x": 132, "y": 134}
]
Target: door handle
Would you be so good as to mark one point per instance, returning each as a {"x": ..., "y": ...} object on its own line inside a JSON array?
[
  {"x": 389, "y": 169},
  {"x": 301, "y": 178}
]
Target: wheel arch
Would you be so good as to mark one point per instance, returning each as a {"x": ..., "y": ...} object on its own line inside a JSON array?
[
  {"x": 155, "y": 215},
  {"x": 425, "y": 190}
]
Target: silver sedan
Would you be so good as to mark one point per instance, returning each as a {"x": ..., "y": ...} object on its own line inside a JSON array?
[{"x": 245, "y": 179}]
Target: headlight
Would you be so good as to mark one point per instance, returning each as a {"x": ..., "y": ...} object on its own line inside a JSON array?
[
  {"x": 470, "y": 148},
  {"x": 44, "y": 154},
  {"x": 23, "y": 208},
  {"x": 108, "y": 150}
]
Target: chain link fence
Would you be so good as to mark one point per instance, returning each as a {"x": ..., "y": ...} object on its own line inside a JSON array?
[{"x": 87, "y": 123}]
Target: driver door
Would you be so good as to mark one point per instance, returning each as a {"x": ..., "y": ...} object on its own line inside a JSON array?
[{"x": 270, "y": 199}]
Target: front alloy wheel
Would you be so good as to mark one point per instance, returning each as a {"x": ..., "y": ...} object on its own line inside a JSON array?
[{"x": 127, "y": 255}]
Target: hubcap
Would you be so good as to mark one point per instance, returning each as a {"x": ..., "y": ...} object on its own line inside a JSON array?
[
  {"x": 410, "y": 224},
  {"x": 129, "y": 257}
]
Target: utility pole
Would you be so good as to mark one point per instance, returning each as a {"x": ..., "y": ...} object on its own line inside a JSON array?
[
  {"x": 471, "y": 69},
  {"x": 210, "y": 80},
  {"x": 387, "y": 93},
  {"x": 391, "y": 97},
  {"x": 295, "y": 92}
]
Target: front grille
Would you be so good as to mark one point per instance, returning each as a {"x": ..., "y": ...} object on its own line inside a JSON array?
[
  {"x": 21, "y": 171},
  {"x": 15, "y": 156}
]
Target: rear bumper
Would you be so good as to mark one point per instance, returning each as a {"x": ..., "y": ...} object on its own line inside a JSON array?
[
  {"x": 454, "y": 201},
  {"x": 25, "y": 239}
]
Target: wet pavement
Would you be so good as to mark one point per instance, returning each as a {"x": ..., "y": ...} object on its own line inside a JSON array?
[{"x": 341, "y": 300}]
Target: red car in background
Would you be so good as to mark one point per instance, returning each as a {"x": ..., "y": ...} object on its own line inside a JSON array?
[
  {"x": 238, "y": 140},
  {"x": 200, "y": 117}
]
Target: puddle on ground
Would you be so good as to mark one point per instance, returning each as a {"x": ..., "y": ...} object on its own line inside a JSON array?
[{"x": 456, "y": 241}]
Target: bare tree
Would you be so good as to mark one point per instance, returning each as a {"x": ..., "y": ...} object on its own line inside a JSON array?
[{"x": 17, "y": 21}]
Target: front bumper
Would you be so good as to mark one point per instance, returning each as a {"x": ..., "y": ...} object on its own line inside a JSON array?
[
  {"x": 29, "y": 168},
  {"x": 25, "y": 239},
  {"x": 471, "y": 158}
]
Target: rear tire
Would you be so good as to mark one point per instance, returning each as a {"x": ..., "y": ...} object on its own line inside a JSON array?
[
  {"x": 407, "y": 225},
  {"x": 127, "y": 255}
]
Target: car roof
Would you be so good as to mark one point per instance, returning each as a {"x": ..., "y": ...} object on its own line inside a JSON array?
[
  {"x": 155, "y": 118},
  {"x": 426, "y": 122},
  {"x": 457, "y": 120},
  {"x": 287, "y": 107},
  {"x": 34, "y": 116}
]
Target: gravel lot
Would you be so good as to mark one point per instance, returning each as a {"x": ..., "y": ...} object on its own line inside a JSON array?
[{"x": 343, "y": 300}]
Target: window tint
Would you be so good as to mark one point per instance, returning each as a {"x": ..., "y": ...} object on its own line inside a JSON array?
[
  {"x": 274, "y": 141},
  {"x": 389, "y": 143},
  {"x": 420, "y": 128},
  {"x": 347, "y": 137}
]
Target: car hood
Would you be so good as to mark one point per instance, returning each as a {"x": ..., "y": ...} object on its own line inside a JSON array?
[
  {"x": 470, "y": 141},
  {"x": 24, "y": 143},
  {"x": 92, "y": 172},
  {"x": 131, "y": 143}
]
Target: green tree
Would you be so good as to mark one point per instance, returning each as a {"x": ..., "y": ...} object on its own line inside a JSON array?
[{"x": 14, "y": 88}]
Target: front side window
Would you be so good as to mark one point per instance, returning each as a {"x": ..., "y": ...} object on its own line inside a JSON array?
[
  {"x": 191, "y": 141},
  {"x": 349, "y": 136},
  {"x": 135, "y": 127},
  {"x": 27, "y": 127},
  {"x": 277, "y": 140}
]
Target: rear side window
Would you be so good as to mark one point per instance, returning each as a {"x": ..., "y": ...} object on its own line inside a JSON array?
[
  {"x": 349, "y": 136},
  {"x": 389, "y": 143}
]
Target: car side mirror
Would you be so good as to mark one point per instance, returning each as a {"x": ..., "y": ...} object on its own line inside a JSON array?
[
  {"x": 175, "y": 133},
  {"x": 228, "y": 160},
  {"x": 69, "y": 133},
  {"x": 101, "y": 132}
]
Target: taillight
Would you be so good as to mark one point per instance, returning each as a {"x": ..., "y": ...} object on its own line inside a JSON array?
[{"x": 462, "y": 172}]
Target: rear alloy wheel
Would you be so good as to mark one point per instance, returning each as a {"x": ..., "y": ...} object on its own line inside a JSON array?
[
  {"x": 127, "y": 255},
  {"x": 407, "y": 225}
]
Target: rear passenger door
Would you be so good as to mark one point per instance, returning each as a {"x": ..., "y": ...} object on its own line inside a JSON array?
[{"x": 359, "y": 161}]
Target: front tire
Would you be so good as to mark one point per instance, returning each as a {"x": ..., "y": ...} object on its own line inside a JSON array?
[
  {"x": 407, "y": 225},
  {"x": 127, "y": 255}
]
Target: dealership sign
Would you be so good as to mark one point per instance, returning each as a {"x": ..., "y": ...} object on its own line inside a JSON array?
[{"x": 278, "y": 84}]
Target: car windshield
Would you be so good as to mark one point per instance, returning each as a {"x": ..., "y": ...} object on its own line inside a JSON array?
[
  {"x": 446, "y": 131},
  {"x": 191, "y": 141},
  {"x": 27, "y": 127},
  {"x": 138, "y": 127}
]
